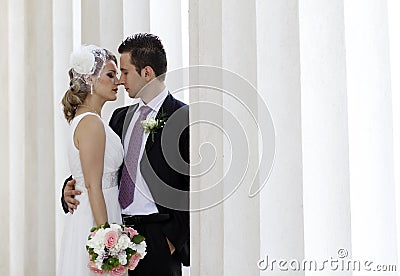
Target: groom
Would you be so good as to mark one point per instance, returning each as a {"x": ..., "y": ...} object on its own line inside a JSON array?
[{"x": 154, "y": 178}]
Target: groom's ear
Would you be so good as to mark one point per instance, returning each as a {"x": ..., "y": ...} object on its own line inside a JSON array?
[{"x": 148, "y": 73}]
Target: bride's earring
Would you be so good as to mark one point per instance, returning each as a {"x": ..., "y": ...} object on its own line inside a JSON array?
[{"x": 91, "y": 89}]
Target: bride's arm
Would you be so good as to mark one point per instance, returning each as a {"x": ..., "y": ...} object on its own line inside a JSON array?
[{"x": 90, "y": 139}]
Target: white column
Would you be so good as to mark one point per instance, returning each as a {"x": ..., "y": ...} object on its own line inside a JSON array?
[
  {"x": 241, "y": 212},
  {"x": 111, "y": 25},
  {"x": 31, "y": 140},
  {"x": 136, "y": 16},
  {"x": 370, "y": 133},
  {"x": 324, "y": 131},
  {"x": 45, "y": 244},
  {"x": 278, "y": 82},
  {"x": 90, "y": 12},
  {"x": 4, "y": 143},
  {"x": 102, "y": 25},
  {"x": 218, "y": 32},
  {"x": 394, "y": 40},
  {"x": 76, "y": 18},
  {"x": 39, "y": 140},
  {"x": 165, "y": 22},
  {"x": 63, "y": 37},
  {"x": 207, "y": 226},
  {"x": 16, "y": 133},
  {"x": 111, "y": 36}
]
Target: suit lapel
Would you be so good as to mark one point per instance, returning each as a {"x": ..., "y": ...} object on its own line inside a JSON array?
[{"x": 127, "y": 120}]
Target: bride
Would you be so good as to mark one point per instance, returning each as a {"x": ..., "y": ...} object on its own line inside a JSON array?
[{"x": 95, "y": 153}]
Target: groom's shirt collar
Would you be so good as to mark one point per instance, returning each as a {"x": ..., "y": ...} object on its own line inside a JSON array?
[{"x": 156, "y": 102}]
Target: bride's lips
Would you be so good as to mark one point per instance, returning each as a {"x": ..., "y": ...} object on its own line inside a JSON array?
[{"x": 115, "y": 90}]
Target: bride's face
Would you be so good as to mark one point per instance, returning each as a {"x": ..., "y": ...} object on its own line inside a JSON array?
[{"x": 106, "y": 85}]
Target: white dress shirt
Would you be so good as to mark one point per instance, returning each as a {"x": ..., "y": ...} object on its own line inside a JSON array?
[{"x": 143, "y": 202}]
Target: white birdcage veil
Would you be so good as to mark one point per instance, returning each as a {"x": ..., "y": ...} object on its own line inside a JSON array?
[{"x": 88, "y": 60}]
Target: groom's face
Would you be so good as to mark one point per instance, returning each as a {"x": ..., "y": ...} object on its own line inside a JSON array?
[{"x": 130, "y": 78}]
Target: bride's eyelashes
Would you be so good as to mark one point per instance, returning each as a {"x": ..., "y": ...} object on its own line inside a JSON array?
[{"x": 110, "y": 75}]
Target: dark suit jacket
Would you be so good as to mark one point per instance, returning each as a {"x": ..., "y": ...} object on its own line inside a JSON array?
[
  {"x": 165, "y": 164},
  {"x": 171, "y": 145}
]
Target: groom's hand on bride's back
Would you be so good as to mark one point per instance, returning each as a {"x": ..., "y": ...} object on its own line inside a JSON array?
[{"x": 69, "y": 196}]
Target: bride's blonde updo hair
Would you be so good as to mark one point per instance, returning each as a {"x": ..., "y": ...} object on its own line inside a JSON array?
[{"x": 86, "y": 62}]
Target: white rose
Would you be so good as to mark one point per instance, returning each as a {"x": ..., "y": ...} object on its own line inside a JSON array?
[
  {"x": 99, "y": 263},
  {"x": 116, "y": 227},
  {"x": 124, "y": 241},
  {"x": 140, "y": 248},
  {"x": 149, "y": 123},
  {"x": 99, "y": 251},
  {"x": 152, "y": 122},
  {"x": 122, "y": 258},
  {"x": 96, "y": 242}
]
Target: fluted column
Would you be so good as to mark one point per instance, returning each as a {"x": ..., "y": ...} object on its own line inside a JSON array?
[
  {"x": 91, "y": 20},
  {"x": 17, "y": 136},
  {"x": 278, "y": 82},
  {"x": 111, "y": 24},
  {"x": 111, "y": 36},
  {"x": 136, "y": 16},
  {"x": 4, "y": 142},
  {"x": 171, "y": 33},
  {"x": 394, "y": 43},
  {"x": 207, "y": 225},
  {"x": 324, "y": 131},
  {"x": 218, "y": 32},
  {"x": 241, "y": 212},
  {"x": 136, "y": 19},
  {"x": 39, "y": 140},
  {"x": 102, "y": 25},
  {"x": 64, "y": 19},
  {"x": 370, "y": 133}
]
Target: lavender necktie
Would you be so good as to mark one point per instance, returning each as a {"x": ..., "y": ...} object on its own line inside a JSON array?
[{"x": 129, "y": 169}]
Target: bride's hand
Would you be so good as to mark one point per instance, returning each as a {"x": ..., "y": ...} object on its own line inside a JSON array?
[
  {"x": 171, "y": 246},
  {"x": 69, "y": 193}
]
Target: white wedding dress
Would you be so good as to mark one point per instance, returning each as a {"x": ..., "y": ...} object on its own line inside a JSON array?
[{"x": 73, "y": 258}]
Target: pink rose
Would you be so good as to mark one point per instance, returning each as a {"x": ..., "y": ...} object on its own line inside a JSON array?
[
  {"x": 133, "y": 262},
  {"x": 111, "y": 239},
  {"x": 92, "y": 266},
  {"x": 118, "y": 271},
  {"x": 132, "y": 232}
]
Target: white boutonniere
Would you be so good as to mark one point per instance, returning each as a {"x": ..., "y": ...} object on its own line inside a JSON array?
[{"x": 152, "y": 124}]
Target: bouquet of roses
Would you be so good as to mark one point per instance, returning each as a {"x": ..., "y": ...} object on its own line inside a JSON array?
[{"x": 114, "y": 248}]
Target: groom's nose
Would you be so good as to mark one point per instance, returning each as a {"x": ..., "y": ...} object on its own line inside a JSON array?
[{"x": 120, "y": 81}]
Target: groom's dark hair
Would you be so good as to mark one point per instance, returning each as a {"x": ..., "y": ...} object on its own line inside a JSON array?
[{"x": 145, "y": 50}]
